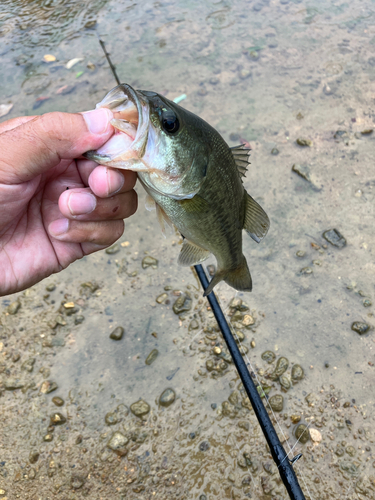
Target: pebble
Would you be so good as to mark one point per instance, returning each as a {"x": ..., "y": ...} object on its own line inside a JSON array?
[
  {"x": 204, "y": 445},
  {"x": 303, "y": 171},
  {"x": 77, "y": 481},
  {"x": 79, "y": 319},
  {"x": 182, "y": 304},
  {"x": 33, "y": 457},
  {"x": 28, "y": 365},
  {"x": 248, "y": 320},
  {"x": 216, "y": 350},
  {"x": 302, "y": 433},
  {"x": 276, "y": 402},
  {"x": 297, "y": 372},
  {"x": 306, "y": 270},
  {"x": 117, "y": 443},
  {"x": 281, "y": 366},
  {"x": 269, "y": 356},
  {"x": 149, "y": 262},
  {"x": 194, "y": 325},
  {"x": 57, "y": 419},
  {"x": 161, "y": 298},
  {"x": 152, "y": 356},
  {"x": 315, "y": 436},
  {"x": 51, "y": 287},
  {"x": 58, "y": 401},
  {"x": 113, "y": 249},
  {"x": 335, "y": 238},
  {"x": 12, "y": 384},
  {"x": 167, "y": 398},
  {"x": 111, "y": 418},
  {"x": 285, "y": 382},
  {"x": 140, "y": 408},
  {"x": 48, "y": 437},
  {"x": 274, "y": 151},
  {"x": 295, "y": 418},
  {"x": 300, "y": 254},
  {"x": 48, "y": 386},
  {"x": 117, "y": 333},
  {"x": 14, "y": 307},
  {"x": 236, "y": 303},
  {"x": 211, "y": 269},
  {"x": 360, "y": 327},
  {"x": 367, "y": 303},
  {"x": 304, "y": 142}
]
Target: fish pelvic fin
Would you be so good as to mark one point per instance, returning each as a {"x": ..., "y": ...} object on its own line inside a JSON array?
[
  {"x": 238, "y": 278},
  {"x": 256, "y": 221},
  {"x": 192, "y": 254}
]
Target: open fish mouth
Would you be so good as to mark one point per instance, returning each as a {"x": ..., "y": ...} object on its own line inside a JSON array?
[{"x": 131, "y": 122}]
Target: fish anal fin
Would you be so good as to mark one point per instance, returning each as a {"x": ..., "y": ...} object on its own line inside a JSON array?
[
  {"x": 238, "y": 278},
  {"x": 256, "y": 221},
  {"x": 191, "y": 254}
]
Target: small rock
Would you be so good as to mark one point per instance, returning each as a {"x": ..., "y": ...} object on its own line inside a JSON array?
[
  {"x": 161, "y": 298},
  {"x": 117, "y": 333},
  {"x": 269, "y": 356},
  {"x": 300, "y": 254},
  {"x": 167, "y": 398},
  {"x": 140, "y": 408},
  {"x": 211, "y": 269},
  {"x": 302, "y": 433},
  {"x": 48, "y": 386},
  {"x": 33, "y": 457},
  {"x": 295, "y": 418},
  {"x": 281, "y": 366},
  {"x": 306, "y": 270},
  {"x": 182, "y": 304},
  {"x": 274, "y": 151},
  {"x": 57, "y": 419},
  {"x": 14, "y": 307},
  {"x": 28, "y": 365},
  {"x": 360, "y": 327},
  {"x": 117, "y": 443},
  {"x": 152, "y": 356},
  {"x": 77, "y": 481},
  {"x": 194, "y": 325},
  {"x": 204, "y": 445},
  {"x": 111, "y": 418},
  {"x": 51, "y": 287},
  {"x": 48, "y": 437},
  {"x": 12, "y": 384},
  {"x": 334, "y": 237},
  {"x": 149, "y": 262},
  {"x": 297, "y": 372},
  {"x": 58, "y": 401},
  {"x": 113, "y": 249},
  {"x": 367, "y": 131},
  {"x": 248, "y": 320},
  {"x": 285, "y": 382},
  {"x": 304, "y": 142},
  {"x": 315, "y": 435},
  {"x": 79, "y": 319},
  {"x": 276, "y": 402}
]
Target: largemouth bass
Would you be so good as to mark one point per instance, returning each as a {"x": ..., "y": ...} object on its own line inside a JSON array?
[{"x": 193, "y": 176}]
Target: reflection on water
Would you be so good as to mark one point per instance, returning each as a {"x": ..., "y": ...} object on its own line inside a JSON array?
[{"x": 270, "y": 73}]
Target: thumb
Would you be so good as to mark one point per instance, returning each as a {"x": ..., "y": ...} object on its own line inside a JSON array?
[{"x": 42, "y": 142}]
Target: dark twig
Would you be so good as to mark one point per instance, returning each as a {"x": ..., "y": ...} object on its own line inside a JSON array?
[{"x": 113, "y": 69}]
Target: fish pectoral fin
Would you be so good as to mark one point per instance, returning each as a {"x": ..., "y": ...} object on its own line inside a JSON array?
[
  {"x": 150, "y": 203},
  {"x": 238, "y": 278},
  {"x": 191, "y": 254},
  {"x": 197, "y": 204},
  {"x": 256, "y": 222}
]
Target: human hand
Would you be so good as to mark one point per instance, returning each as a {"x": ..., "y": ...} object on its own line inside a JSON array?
[{"x": 55, "y": 208}]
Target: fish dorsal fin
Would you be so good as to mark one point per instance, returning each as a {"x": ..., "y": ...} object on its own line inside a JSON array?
[
  {"x": 256, "y": 222},
  {"x": 191, "y": 254},
  {"x": 241, "y": 156}
]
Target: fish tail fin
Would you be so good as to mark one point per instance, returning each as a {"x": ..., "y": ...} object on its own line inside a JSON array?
[{"x": 238, "y": 278}]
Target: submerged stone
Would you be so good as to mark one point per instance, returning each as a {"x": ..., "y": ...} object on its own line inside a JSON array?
[
  {"x": 335, "y": 238},
  {"x": 117, "y": 443},
  {"x": 302, "y": 433},
  {"x": 57, "y": 419},
  {"x": 167, "y": 398},
  {"x": 360, "y": 327},
  {"x": 140, "y": 408},
  {"x": 182, "y": 304},
  {"x": 152, "y": 356},
  {"x": 117, "y": 333},
  {"x": 276, "y": 402}
]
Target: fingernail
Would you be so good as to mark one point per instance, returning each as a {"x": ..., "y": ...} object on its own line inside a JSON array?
[
  {"x": 81, "y": 203},
  {"x": 98, "y": 120},
  {"x": 115, "y": 181},
  {"x": 58, "y": 227}
]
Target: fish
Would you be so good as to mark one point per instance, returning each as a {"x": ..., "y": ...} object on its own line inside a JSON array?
[{"x": 191, "y": 174}]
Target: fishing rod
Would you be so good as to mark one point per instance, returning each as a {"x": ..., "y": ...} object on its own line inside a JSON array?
[{"x": 284, "y": 464}]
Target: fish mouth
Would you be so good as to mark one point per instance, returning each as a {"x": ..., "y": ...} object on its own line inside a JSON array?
[{"x": 130, "y": 121}]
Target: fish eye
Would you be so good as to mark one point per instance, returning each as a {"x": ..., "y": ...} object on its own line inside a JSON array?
[{"x": 170, "y": 122}]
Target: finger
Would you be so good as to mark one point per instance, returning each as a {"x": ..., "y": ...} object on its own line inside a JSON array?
[
  {"x": 97, "y": 233},
  {"x": 85, "y": 167},
  {"x": 39, "y": 144},
  {"x": 82, "y": 204},
  {"x": 106, "y": 181},
  {"x": 14, "y": 122}
]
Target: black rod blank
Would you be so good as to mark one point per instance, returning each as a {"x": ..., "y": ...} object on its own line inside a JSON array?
[{"x": 279, "y": 455}]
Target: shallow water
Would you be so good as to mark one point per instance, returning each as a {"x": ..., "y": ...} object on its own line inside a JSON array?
[{"x": 264, "y": 72}]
